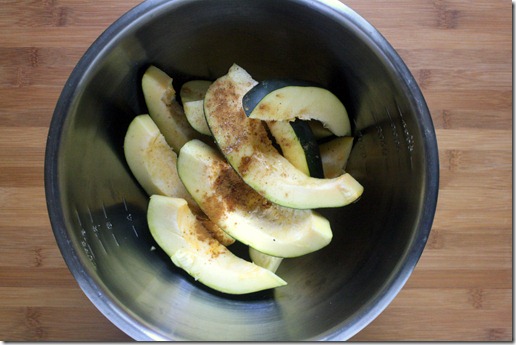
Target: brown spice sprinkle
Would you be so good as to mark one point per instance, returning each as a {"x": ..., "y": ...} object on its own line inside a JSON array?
[
  {"x": 212, "y": 205},
  {"x": 236, "y": 192},
  {"x": 200, "y": 232},
  {"x": 264, "y": 107},
  {"x": 235, "y": 132},
  {"x": 233, "y": 128},
  {"x": 245, "y": 162},
  {"x": 232, "y": 193}
]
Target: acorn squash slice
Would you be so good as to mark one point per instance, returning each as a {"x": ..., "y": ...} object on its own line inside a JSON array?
[
  {"x": 298, "y": 145},
  {"x": 151, "y": 160},
  {"x": 192, "y": 96},
  {"x": 334, "y": 155},
  {"x": 165, "y": 110},
  {"x": 246, "y": 146},
  {"x": 286, "y": 100},
  {"x": 269, "y": 262},
  {"x": 243, "y": 213},
  {"x": 191, "y": 248}
]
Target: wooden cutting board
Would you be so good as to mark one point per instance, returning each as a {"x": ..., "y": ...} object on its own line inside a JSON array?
[{"x": 461, "y": 55}]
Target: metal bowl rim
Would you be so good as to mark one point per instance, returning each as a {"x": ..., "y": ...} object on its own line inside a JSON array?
[{"x": 99, "y": 295}]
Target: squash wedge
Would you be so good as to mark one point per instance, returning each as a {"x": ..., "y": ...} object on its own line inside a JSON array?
[
  {"x": 286, "y": 100},
  {"x": 192, "y": 96},
  {"x": 269, "y": 262},
  {"x": 151, "y": 160},
  {"x": 165, "y": 110},
  {"x": 190, "y": 247},
  {"x": 244, "y": 143},
  {"x": 243, "y": 213},
  {"x": 298, "y": 145},
  {"x": 334, "y": 155}
]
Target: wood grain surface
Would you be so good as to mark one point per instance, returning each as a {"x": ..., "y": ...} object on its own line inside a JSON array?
[{"x": 461, "y": 55}]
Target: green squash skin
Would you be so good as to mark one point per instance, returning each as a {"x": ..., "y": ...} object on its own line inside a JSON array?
[
  {"x": 263, "y": 88},
  {"x": 310, "y": 147},
  {"x": 286, "y": 100}
]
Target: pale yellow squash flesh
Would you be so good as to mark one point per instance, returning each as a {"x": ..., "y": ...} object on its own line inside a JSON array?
[
  {"x": 304, "y": 103},
  {"x": 151, "y": 160},
  {"x": 192, "y": 96},
  {"x": 334, "y": 155},
  {"x": 243, "y": 213},
  {"x": 266, "y": 261},
  {"x": 164, "y": 109},
  {"x": 190, "y": 247},
  {"x": 289, "y": 143}
]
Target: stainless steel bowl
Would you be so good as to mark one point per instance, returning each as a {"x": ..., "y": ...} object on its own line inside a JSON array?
[{"x": 97, "y": 209}]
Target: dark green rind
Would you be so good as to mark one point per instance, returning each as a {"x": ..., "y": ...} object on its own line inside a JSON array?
[
  {"x": 263, "y": 88},
  {"x": 310, "y": 147}
]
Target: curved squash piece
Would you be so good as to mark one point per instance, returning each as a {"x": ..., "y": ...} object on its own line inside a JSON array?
[
  {"x": 287, "y": 100},
  {"x": 243, "y": 213},
  {"x": 299, "y": 145},
  {"x": 269, "y": 262},
  {"x": 190, "y": 247},
  {"x": 334, "y": 155},
  {"x": 164, "y": 109},
  {"x": 151, "y": 160},
  {"x": 245, "y": 145},
  {"x": 192, "y": 96}
]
